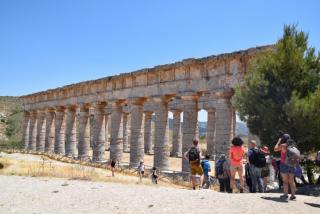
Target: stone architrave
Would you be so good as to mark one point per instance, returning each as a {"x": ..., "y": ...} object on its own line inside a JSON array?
[
  {"x": 71, "y": 132},
  {"x": 84, "y": 133},
  {"x": 148, "y": 132},
  {"x": 41, "y": 131},
  {"x": 33, "y": 131},
  {"x": 190, "y": 120},
  {"x": 116, "y": 144},
  {"x": 176, "y": 135},
  {"x": 60, "y": 131},
  {"x": 99, "y": 135},
  {"x": 26, "y": 129},
  {"x": 50, "y": 131},
  {"x": 137, "y": 129},
  {"x": 125, "y": 132},
  {"x": 211, "y": 128},
  {"x": 161, "y": 135}
]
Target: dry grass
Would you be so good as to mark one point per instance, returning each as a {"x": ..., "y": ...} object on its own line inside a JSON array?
[{"x": 72, "y": 169}]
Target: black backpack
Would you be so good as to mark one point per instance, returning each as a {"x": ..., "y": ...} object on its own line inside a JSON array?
[
  {"x": 219, "y": 167},
  {"x": 194, "y": 154},
  {"x": 258, "y": 158}
]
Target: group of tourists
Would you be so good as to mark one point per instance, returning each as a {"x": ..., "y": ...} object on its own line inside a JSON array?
[{"x": 258, "y": 164}]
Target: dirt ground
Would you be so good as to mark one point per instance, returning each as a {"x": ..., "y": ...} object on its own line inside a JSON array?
[{"x": 43, "y": 195}]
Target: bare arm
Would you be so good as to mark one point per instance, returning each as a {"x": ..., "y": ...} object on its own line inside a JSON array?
[
  {"x": 185, "y": 155},
  {"x": 277, "y": 147}
]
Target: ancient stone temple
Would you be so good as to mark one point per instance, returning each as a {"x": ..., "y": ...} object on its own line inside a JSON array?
[{"x": 73, "y": 119}]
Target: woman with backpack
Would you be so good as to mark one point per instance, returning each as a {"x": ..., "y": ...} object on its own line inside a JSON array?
[
  {"x": 236, "y": 154},
  {"x": 286, "y": 169}
]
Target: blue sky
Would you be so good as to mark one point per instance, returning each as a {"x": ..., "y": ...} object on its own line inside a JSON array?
[{"x": 46, "y": 44}]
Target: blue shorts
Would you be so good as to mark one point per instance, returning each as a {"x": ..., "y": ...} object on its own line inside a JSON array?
[{"x": 284, "y": 168}]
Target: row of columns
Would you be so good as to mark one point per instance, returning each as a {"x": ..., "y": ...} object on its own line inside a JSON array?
[{"x": 56, "y": 130}]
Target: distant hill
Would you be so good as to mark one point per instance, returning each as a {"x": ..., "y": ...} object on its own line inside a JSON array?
[
  {"x": 241, "y": 128},
  {"x": 10, "y": 119}
]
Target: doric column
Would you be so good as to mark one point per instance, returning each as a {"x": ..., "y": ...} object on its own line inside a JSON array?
[
  {"x": 50, "y": 131},
  {"x": 33, "y": 131},
  {"x": 190, "y": 120},
  {"x": 26, "y": 127},
  {"x": 148, "y": 132},
  {"x": 116, "y": 144},
  {"x": 84, "y": 133},
  {"x": 99, "y": 135},
  {"x": 41, "y": 131},
  {"x": 224, "y": 126},
  {"x": 60, "y": 131},
  {"x": 161, "y": 138},
  {"x": 71, "y": 132},
  {"x": 176, "y": 136},
  {"x": 125, "y": 132},
  {"x": 107, "y": 129},
  {"x": 211, "y": 128},
  {"x": 137, "y": 136}
]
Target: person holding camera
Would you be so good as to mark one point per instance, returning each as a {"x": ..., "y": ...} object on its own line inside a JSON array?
[{"x": 286, "y": 170}]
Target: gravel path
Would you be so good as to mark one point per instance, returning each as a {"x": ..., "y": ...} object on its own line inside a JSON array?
[{"x": 42, "y": 195}]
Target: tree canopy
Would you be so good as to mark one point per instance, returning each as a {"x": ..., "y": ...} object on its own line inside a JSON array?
[{"x": 282, "y": 92}]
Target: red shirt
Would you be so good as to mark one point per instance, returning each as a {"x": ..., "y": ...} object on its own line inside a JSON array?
[
  {"x": 283, "y": 154},
  {"x": 236, "y": 155}
]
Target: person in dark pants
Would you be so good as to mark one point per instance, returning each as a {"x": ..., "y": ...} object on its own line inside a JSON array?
[{"x": 222, "y": 171}]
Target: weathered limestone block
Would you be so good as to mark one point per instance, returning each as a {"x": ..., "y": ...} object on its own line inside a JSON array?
[
  {"x": 116, "y": 144},
  {"x": 33, "y": 131},
  {"x": 176, "y": 137},
  {"x": 125, "y": 132},
  {"x": 224, "y": 126},
  {"x": 148, "y": 132},
  {"x": 137, "y": 128},
  {"x": 25, "y": 131},
  {"x": 161, "y": 138},
  {"x": 50, "y": 131},
  {"x": 41, "y": 131},
  {"x": 211, "y": 128},
  {"x": 71, "y": 132},
  {"x": 99, "y": 135},
  {"x": 84, "y": 133},
  {"x": 190, "y": 121},
  {"x": 60, "y": 131}
]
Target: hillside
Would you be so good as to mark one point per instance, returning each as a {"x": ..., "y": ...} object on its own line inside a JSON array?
[{"x": 10, "y": 119}]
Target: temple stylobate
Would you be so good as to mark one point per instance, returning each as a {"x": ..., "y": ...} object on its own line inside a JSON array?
[{"x": 129, "y": 112}]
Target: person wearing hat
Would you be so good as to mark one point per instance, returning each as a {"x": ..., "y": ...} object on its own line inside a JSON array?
[
  {"x": 255, "y": 172},
  {"x": 265, "y": 171},
  {"x": 287, "y": 173}
]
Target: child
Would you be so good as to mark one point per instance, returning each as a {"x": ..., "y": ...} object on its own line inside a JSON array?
[
  {"x": 141, "y": 170},
  {"x": 154, "y": 175},
  {"x": 206, "y": 169}
]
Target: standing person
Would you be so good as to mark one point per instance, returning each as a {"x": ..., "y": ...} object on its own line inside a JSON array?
[
  {"x": 113, "y": 165},
  {"x": 141, "y": 170},
  {"x": 205, "y": 164},
  {"x": 287, "y": 172},
  {"x": 222, "y": 171},
  {"x": 265, "y": 171},
  {"x": 255, "y": 160},
  {"x": 193, "y": 156},
  {"x": 236, "y": 160},
  {"x": 154, "y": 175}
]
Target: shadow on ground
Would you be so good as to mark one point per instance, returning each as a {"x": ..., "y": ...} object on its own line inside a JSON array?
[
  {"x": 313, "y": 204},
  {"x": 276, "y": 199}
]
